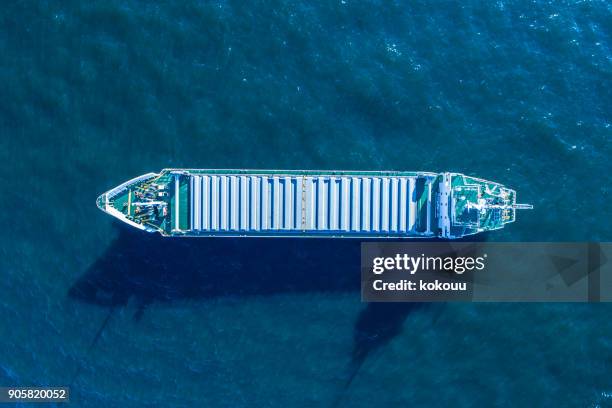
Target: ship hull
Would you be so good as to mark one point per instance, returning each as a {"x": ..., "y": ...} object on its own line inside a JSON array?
[{"x": 299, "y": 203}]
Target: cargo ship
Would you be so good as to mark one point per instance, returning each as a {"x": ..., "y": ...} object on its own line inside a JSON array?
[{"x": 309, "y": 203}]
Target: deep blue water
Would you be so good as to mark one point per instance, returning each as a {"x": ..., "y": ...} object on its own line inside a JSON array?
[{"x": 96, "y": 92}]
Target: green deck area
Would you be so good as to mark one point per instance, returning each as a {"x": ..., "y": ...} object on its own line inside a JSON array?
[
  {"x": 184, "y": 204},
  {"x": 121, "y": 202},
  {"x": 422, "y": 193}
]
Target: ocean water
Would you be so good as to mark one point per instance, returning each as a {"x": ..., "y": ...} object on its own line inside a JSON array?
[{"x": 96, "y": 92}]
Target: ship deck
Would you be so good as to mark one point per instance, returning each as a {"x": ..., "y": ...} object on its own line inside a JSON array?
[{"x": 303, "y": 203}]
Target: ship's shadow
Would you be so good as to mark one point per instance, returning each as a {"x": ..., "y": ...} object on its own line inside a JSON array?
[
  {"x": 150, "y": 268},
  {"x": 145, "y": 268}
]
